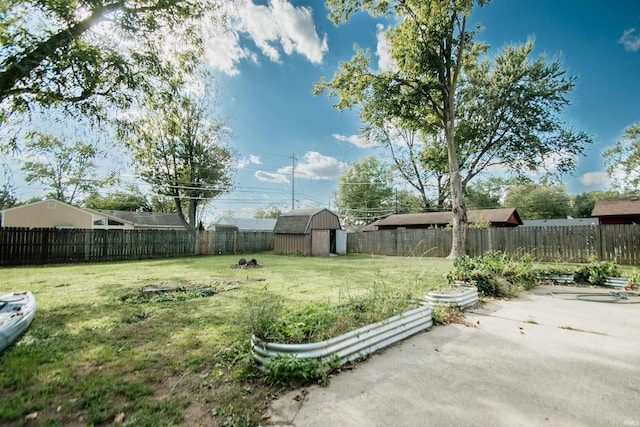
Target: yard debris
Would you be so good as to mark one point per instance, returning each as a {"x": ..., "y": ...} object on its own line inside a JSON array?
[
  {"x": 243, "y": 263},
  {"x": 119, "y": 418},
  {"x": 32, "y": 416}
]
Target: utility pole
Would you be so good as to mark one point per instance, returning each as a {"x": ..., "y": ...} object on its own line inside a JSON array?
[{"x": 293, "y": 180}]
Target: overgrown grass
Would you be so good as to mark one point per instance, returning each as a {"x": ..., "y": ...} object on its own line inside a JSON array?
[{"x": 98, "y": 348}]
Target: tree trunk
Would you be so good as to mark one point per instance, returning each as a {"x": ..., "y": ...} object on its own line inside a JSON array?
[{"x": 458, "y": 206}]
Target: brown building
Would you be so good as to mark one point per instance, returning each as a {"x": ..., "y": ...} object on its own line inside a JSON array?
[
  {"x": 617, "y": 211},
  {"x": 315, "y": 232},
  {"x": 505, "y": 217}
]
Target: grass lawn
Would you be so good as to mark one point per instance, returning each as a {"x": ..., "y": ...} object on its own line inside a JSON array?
[{"x": 97, "y": 351}]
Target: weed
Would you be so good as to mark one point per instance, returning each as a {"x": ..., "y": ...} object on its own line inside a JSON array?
[
  {"x": 595, "y": 273},
  {"x": 495, "y": 274}
]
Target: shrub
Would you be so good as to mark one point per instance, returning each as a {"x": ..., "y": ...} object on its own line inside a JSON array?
[
  {"x": 495, "y": 274},
  {"x": 595, "y": 273}
]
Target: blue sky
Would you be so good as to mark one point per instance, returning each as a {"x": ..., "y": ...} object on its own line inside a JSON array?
[
  {"x": 267, "y": 61},
  {"x": 277, "y": 50}
]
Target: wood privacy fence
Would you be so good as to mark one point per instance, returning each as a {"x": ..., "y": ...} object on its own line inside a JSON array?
[
  {"x": 20, "y": 246},
  {"x": 617, "y": 243}
]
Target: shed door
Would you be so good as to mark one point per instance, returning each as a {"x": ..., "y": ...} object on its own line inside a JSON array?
[{"x": 320, "y": 242}]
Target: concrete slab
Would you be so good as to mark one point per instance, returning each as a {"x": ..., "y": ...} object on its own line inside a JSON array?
[{"x": 545, "y": 359}]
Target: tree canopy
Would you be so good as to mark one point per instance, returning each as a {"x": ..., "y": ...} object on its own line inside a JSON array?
[
  {"x": 364, "y": 191},
  {"x": 535, "y": 201},
  {"x": 64, "y": 52},
  {"x": 623, "y": 160},
  {"x": 67, "y": 170}
]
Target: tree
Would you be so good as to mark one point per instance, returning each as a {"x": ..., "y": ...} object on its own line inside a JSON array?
[
  {"x": 8, "y": 197},
  {"x": 271, "y": 210},
  {"x": 406, "y": 202},
  {"x": 62, "y": 52},
  {"x": 364, "y": 191},
  {"x": 178, "y": 149},
  {"x": 430, "y": 45},
  {"x": 623, "y": 160},
  {"x": 484, "y": 194},
  {"x": 584, "y": 203},
  {"x": 69, "y": 171},
  {"x": 535, "y": 201},
  {"x": 406, "y": 151},
  {"x": 119, "y": 201},
  {"x": 509, "y": 115}
]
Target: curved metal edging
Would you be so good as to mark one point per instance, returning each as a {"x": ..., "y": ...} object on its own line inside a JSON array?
[
  {"x": 463, "y": 299},
  {"x": 354, "y": 344},
  {"x": 617, "y": 282}
]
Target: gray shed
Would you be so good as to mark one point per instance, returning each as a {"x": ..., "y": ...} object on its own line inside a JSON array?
[{"x": 315, "y": 232}]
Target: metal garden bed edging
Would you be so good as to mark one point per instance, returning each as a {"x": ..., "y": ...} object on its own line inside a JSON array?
[
  {"x": 467, "y": 296},
  {"x": 617, "y": 282},
  {"x": 352, "y": 345}
]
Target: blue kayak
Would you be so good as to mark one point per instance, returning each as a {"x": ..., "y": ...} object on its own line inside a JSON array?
[{"x": 16, "y": 313}]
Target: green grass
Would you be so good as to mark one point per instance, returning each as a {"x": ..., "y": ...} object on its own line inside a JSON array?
[{"x": 97, "y": 348}]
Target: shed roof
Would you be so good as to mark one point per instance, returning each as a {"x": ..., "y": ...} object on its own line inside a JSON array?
[
  {"x": 616, "y": 207},
  {"x": 296, "y": 222},
  {"x": 502, "y": 215}
]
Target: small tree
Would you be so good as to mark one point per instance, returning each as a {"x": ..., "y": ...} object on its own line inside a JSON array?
[
  {"x": 178, "y": 149},
  {"x": 364, "y": 190},
  {"x": 69, "y": 171}
]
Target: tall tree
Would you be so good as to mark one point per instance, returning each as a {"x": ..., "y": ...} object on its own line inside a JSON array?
[
  {"x": 69, "y": 171},
  {"x": 63, "y": 52},
  {"x": 178, "y": 148},
  {"x": 364, "y": 191},
  {"x": 430, "y": 45},
  {"x": 623, "y": 160}
]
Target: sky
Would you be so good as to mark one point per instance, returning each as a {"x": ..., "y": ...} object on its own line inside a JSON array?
[{"x": 268, "y": 59}]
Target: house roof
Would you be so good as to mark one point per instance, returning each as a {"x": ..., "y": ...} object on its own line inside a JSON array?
[
  {"x": 616, "y": 207},
  {"x": 503, "y": 215},
  {"x": 145, "y": 219},
  {"x": 254, "y": 224},
  {"x": 296, "y": 222},
  {"x": 559, "y": 222}
]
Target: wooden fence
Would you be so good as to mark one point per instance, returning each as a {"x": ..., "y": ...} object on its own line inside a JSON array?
[
  {"x": 617, "y": 243},
  {"x": 20, "y": 246}
]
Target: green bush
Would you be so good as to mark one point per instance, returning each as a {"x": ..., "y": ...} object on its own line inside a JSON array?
[
  {"x": 595, "y": 273},
  {"x": 495, "y": 273}
]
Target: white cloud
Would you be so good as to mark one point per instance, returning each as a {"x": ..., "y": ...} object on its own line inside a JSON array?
[
  {"x": 279, "y": 178},
  {"x": 275, "y": 28},
  {"x": 223, "y": 52},
  {"x": 252, "y": 160},
  {"x": 383, "y": 50},
  {"x": 357, "y": 140},
  {"x": 630, "y": 41},
  {"x": 592, "y": 179},
  {"x": 316, "y": 167}
]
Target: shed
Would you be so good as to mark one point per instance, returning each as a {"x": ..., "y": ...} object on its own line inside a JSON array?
[
  {"x": 315, "y": 232},
  {"x": 504, "y": 217},
  {"x": 625, "y": 211}
]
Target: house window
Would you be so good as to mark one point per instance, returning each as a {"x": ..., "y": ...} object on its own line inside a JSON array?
[
  {"x": 114, "y": 222},
  {"x": 100, "y": 222},
  {"x": 51, "y": 205}
]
